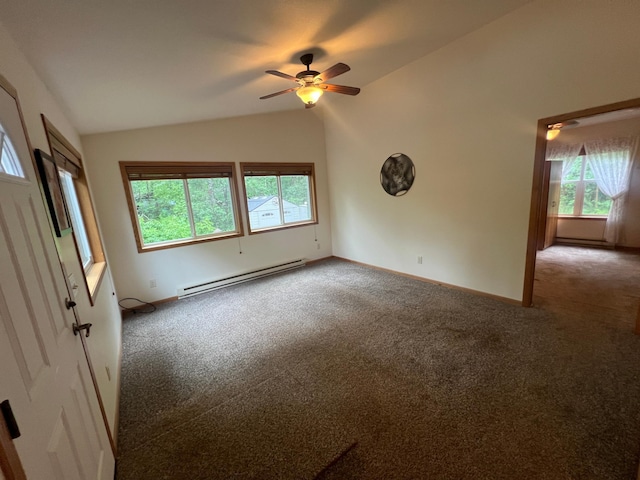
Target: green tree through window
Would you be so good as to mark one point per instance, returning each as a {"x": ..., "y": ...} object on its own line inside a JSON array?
[
  {"x": 181, "y": 203},
  {"x": 579, "y": 192},
  {"x": 279, "y": 195}
]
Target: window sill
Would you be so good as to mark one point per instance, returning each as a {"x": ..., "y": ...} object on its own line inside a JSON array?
[
  {"x": 584, "y": 217},
  {"x": 281, "y": 227},
  {"x": 94, "y": 278},
  {"x": 190, "y": 241}
]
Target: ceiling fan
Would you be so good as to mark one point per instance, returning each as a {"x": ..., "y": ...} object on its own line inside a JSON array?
[
  {"x": 553, "y": 130},
  {"x": 311, "y": 84}
]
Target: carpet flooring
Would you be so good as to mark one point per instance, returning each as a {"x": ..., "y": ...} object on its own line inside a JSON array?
[{"x": 280, "y": 377}]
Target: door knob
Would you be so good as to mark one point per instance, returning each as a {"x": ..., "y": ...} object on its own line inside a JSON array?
[
  {"x": 78, "y": 328},
  {"x": 69, "y": 303}
]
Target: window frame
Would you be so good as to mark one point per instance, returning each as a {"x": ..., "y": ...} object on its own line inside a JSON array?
[
  {"x": 67, "y": 158},
  {"x": 279, "y": 169},
  {"x": 578, "y": 203},
  {"x": 75, "y": 215},
  {"x": 127, "y": 169}
]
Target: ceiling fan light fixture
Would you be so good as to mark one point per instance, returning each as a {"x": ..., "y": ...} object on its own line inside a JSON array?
[
  {"x": 309, "y": 94},
  {"x": 553, "y": 131}
]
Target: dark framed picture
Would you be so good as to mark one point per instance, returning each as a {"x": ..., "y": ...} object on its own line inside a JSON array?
[
  {"x": 397, "y": 174},
  {"x": 48, "y": 171}
]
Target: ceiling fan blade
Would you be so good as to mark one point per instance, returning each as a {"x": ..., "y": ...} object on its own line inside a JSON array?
[
  {"x": 341, "y": 89},
  {"x": 280, "y": 74},
  {"x": 279, "y": 93},
  {"x": 337, "y": 69}
]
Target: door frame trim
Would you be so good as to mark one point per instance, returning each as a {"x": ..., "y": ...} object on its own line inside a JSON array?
[
  {"x": 538, "y": 187},
  {"x": 10, "y": 463}
]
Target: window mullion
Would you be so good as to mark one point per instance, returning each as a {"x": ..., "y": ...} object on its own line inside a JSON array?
[
  {"x": 187, "y": 197},
  {"x": 579, "y": 203},
  {"x": 577, "y": 207},
  {"x": 280, "y": 200}
]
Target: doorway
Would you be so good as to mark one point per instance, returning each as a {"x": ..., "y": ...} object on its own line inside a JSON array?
[{"x": 538, "y": 222}]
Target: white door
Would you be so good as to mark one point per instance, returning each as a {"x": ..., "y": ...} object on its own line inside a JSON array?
[{"x": 43, "y": 369}]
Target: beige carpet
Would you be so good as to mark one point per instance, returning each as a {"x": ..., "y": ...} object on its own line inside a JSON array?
[
  {"x": 594, "y": 283},
  {"x": 273, "y": 378}
]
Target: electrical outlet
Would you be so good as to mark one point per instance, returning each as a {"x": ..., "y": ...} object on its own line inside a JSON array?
[
  {"x": 420, "y": 259},
  {"x": 318, "y": 246},
  {"x": 152, "y": 283}
]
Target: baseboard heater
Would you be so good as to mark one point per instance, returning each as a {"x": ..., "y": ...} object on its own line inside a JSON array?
[{"x": 184, "y": 292}]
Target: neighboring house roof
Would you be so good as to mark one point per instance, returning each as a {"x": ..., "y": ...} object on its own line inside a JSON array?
[{"x": 257, "y": 201}]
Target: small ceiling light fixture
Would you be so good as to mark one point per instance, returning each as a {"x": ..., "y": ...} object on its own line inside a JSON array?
[
  {"x": 309, "y": 94},
  {"x": 553, "y": 131}
]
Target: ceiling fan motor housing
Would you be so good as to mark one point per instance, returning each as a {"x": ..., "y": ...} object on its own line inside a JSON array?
[
  {"x": 306, "y": 60},
  {"x": 307, "y": 74}
]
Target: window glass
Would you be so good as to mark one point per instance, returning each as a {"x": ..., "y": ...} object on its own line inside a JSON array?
[
  {"x": 212, "y": 205},
  {"x": 9, "y": 162},
  {"x": 567, "y": 198},
  {"x": 574, "y": 173},
  {"x": 73, "y": 206},
  {"x": 279, "y": 195},
  {"x": 588, "y": 173},
  {"x": 579, "y": 193},
  {"x": 173, "y": 204},
  {"x": 162, "y": 210},
  {"x": 295, "y": 197},
  {"x": 595, "y": 202},
  {"x": 263, "y": 202}
]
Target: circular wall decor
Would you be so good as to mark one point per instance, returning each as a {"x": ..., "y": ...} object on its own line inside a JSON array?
[{"x": 397, "y": 174}]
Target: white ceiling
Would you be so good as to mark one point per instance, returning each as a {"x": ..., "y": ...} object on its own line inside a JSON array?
[{"x": 122, "y": 64}]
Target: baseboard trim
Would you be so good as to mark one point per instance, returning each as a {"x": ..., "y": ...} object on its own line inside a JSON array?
[
  {"x": 510, "y": 301},
  {"x": 116, "y": 420},
  {"x": 575, "y": 242},
  {"x": 622, "y": 248},
  {"x": 319, "y": 260}
]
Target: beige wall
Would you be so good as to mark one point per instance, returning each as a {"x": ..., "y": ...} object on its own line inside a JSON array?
[
  {"x": 279, "y": 137},
  {"x": 105, "y": 341},
  {"x": 587, "y": 229},
  {"x": 467, "y": 115}
]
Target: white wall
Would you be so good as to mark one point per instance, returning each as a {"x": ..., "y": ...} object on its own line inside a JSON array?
[
  {"x": 467, "y": 115},
  {"x": 104, "y": 342},
  {"x": 280, "y": 137}
]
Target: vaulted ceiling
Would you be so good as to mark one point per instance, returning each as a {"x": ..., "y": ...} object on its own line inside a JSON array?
[{"x": 122, "y": 64}]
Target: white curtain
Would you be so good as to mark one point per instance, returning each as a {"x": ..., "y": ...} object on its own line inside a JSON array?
[
  {"x": 611, "y": 161},
  {"x": 558, "y": 152}
]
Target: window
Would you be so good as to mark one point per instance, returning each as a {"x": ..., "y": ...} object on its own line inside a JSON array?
[
  {"x": 9, "y": 163},
  {"x": 279, "y": 195},
  {"x": 78, "y": 201},
  {"x": 173, "y": 204},
  {"x": 579, "y": 194},
  {"x": 73, "y": 207}
]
